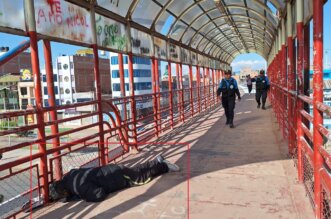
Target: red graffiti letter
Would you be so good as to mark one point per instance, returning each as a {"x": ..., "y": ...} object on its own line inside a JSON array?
[{"x": 40, "y": 15}]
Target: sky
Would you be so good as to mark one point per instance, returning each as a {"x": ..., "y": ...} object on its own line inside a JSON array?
[{"x": 247, "y": 60}]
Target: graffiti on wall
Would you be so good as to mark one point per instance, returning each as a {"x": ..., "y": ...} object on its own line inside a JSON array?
[
  {"x": 174, "y": 52},
  {"x": 117, "y": 6},
  {"x": 185, "y": 56},
  {"x": 63, "y": 20},
  {"x": 111, "y": 34},
  {"x": 194, "y": 58},
  {"x": 160, "y": 48},
  {"x": 141, "y": 42}
]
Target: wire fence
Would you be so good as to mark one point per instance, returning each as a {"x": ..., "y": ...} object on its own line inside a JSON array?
[
  {"x": 17, "y": 189},
  {"x": 308, "y": 177}
]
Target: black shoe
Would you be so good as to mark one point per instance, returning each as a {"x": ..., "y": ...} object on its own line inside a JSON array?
[
  {"x": 231, "y": 125},
  {"x": 263, "y": 107},
  {"x": 258, "y": 106}
]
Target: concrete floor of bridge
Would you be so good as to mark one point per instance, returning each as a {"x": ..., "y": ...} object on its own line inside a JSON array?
[{"x": 234, "y": 173}]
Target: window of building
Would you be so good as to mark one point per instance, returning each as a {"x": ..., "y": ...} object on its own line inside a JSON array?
[
  {"x": 46, "y": 103},
  {"x": 55, "y": 77},
  {"x": 71, "y": 65},
  {"x": 24, "y": 91},
  {"x": 56, "y": 90},
  {"x": 67, "y": 91},
  {"x": 142, "y": 73},
  {"x": 68, "y": 102},
  {"x": 72, "y": 77},
  {"x": 114, "y": 60},
  {"x": 25, "y": 102},
  {"x": 44, "y": 78},
  {"x": 60, "y": 78},
  {"x": 125, "y": 60},
  {"x": 116, "y": 73},
  {"x": 117, "y": 87},
  {"x": 141, "y": 60},
  {"x": 65, "y": 66},
  {"x": 80, "y": 100},
  {"x": 57, "y": 102},
  {"x": 45, "y": 91},
  {"x": 61, "y": 90},
  {"x": 143, "y": 86},
  {"x": 66, "y": 78},
  {"x": 59, "y": 66}
]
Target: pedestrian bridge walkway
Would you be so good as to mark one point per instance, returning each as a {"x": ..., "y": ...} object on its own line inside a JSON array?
[{"x": 227, "y": 173}]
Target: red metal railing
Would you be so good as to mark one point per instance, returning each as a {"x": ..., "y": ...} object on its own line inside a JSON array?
[
  {"x": 306, "y": 135},
  {"x": 83, "y": 149}
]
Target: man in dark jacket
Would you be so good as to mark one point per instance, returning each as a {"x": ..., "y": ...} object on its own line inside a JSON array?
[
  {"x": 229, "y": 89},
  {"x": 94, "y": 184},
  {"x": 262, "y": 87}
]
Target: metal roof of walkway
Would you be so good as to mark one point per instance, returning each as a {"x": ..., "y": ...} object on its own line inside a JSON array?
[{"x": 234, "y": 173}]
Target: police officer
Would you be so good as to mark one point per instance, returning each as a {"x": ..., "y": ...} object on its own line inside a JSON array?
[
  {"x": 262, "y": 87},
  {"x": 228, "y": 89}
]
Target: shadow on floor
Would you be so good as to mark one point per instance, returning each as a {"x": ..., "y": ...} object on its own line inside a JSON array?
[{"x": 218, "y": 148}]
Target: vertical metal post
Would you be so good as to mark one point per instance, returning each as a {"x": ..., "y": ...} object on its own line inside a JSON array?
[
  {"x": 318, "y": 97},
  {"x": 191, "y": 90},
  {"x": 52, "y": 103},
  {"x": 284, "y": 77},
  {"x": 300, "y": 49},
  {"x": 199, "y": 86},
  {"x": 123, "y": 94},
  {"x": 170, "y": 96},
  {"x": 158, "y": 95},
  {"x": 291, "y": 79},
  {"x": 98, "y": 88},
  {"x": 209, "y": 84},
  {"x": 182, "y": 92},
  {"x": 179, "y": 97},
  {"x": 155, "y": 110},
  {"x": 31, "y": 25},
  {"x": 204, "y": 88},
  {"x": 213, "y": 81},
  {"x": 122, "y": 84},
  {"x": 306, "y": 66},
  {"x": 133, "y": 100}
]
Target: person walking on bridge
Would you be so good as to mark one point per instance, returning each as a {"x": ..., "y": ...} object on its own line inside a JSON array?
[
  {"x": 228, "y": 89},
  {"x": 249, "y": 83},
  {"x": 262, "y": 87}
]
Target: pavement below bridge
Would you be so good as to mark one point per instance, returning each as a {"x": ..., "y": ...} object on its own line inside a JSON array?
[{"x": 233, "y": 174}]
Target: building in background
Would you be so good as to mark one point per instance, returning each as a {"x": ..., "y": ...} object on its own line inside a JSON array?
[
  {"x": 14, "y": 65},
  {"x": 247, "y": 71},
  {"x": 25, "y": 87},
  {"x": 142, "y": 71},
  {"x": 74, "y": 78},
  {"x": 8, "y": 92}
]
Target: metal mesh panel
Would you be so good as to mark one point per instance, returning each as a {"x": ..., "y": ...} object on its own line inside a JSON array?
[
  {"x": 83, "y": 157},
  {"x": 16, "y": 191},
  {"x": 326, "y": 204},
  {"x": 308, "y": 178},
  {"x": 114, "y": 153},
  {"x": 144, "y": 106},
  {"x": 294, "y": 156}
]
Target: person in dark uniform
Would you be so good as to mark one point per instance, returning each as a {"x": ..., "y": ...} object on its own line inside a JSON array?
[
  {"x": 228, "y": 89},
  {"x": 94, "y": 184},
  {"x": 262, "y": 87},
  {"x": 249, "y": 83}
]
